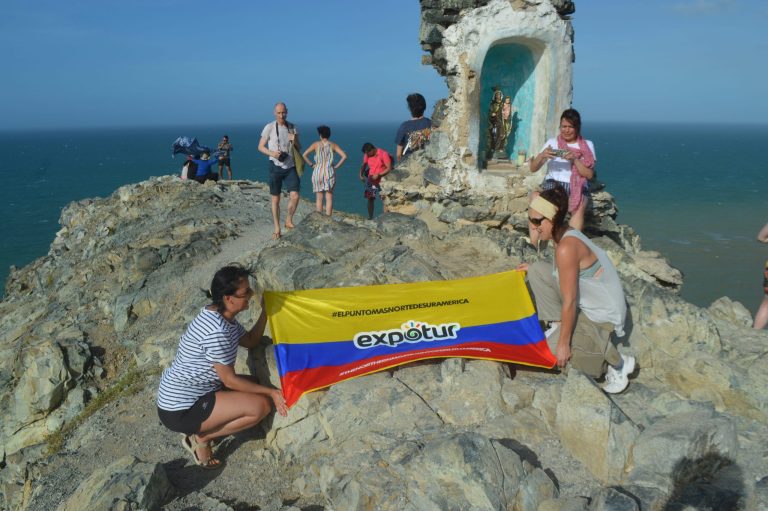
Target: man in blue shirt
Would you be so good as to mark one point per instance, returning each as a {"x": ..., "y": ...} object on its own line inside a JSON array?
[
  {"x": 413, "y": 134},
  {"x": 204, "y": 165}
]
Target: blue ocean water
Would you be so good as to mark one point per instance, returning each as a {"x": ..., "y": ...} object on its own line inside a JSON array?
[{"x": 692, "y": 192}]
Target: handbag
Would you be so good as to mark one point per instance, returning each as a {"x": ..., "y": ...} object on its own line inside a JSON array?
[{"x": 298, "y": 160}]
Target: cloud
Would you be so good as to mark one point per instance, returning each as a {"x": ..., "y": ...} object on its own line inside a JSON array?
[{"x": 704, "y": 7}]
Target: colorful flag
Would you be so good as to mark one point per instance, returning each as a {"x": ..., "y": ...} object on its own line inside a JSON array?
[{"x": 324, "y": 336}]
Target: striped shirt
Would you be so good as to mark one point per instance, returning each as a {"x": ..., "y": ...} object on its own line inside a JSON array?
[{"x": 209, "y": 339}]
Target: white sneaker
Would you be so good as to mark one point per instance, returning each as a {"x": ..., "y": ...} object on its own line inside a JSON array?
[
  {"x": 616, "y": 381},
  {"x": 552, "y": 328},
  {"x": 552, "y": 337}
]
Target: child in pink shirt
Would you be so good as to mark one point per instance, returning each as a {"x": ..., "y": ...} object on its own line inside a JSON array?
[{"x": 379, "y": 163}]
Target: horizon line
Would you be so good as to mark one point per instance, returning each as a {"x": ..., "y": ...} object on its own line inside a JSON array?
[{"x": 341, "y": 121}]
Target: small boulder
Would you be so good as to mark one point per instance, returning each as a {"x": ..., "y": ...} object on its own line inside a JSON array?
[
  {"x": 126, "y": 484},
  {"x": 594, "y": 429}
]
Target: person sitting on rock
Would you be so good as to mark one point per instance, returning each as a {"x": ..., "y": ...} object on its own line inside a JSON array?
[
  {"x": 200, "y": 395},
  {"x": 204, "y": 172},
  {"x": 581, "y": 294}
]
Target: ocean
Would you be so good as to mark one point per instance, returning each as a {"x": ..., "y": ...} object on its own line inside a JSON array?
[{"x": 692, "y": 192}]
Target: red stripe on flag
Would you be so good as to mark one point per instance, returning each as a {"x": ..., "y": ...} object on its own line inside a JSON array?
[{"x": 297, "y": 383}]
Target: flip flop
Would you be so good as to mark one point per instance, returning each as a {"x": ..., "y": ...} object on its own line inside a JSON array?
[{"x": 191, "y": 445}]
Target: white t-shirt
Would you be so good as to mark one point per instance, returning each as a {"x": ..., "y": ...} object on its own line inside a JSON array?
[
  {"x": 209, "y": 339},
  {"x": 271, "y": 135},
  {"x": 559, "y": 169}
]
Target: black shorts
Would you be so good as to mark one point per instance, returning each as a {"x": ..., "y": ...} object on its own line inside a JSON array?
[
  {"x": 278, "y": 175},
  {"x": 189, "y": 421},
  {"x": 211, "y": 176},
  {"x": 223, "y": 161}
]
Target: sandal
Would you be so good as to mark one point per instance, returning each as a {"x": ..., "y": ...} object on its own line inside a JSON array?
[
  {"x": 190, "y": 444},
  {"x": 276, "y": 235}
]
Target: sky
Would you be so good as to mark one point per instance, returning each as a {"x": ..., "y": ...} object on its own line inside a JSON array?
[{"x": 90, "y": 63}]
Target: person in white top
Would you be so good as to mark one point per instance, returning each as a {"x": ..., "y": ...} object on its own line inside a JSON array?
[
  {"x": 582, "y": 296},
  {"x": 277, "y": 140},
  {"x": 570, "y": 162},
  {"x": 200, "y": 395}
]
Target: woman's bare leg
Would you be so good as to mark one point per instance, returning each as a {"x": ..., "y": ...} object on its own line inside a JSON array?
[
  {"x": 319, "y": 202},
  {"x": 761, "y": 316},
  {"x": 329, "y": 202},
  {"x": 233, "y": 412}
]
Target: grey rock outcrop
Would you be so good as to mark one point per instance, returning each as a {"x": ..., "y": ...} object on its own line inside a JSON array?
[
  {"x": 474, "y": 433},
  {"x": 594, "y": 429},
  {"x": 127, "y": 484}
]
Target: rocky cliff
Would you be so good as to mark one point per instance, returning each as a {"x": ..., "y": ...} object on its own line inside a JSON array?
[{"x": 123, "y": 277}]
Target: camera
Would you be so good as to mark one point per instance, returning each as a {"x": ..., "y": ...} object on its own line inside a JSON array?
[
  {"x": 559, "y": 153},
  {"x": 282, "y": 156}
]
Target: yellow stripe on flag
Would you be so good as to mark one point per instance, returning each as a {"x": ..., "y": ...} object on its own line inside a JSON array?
[{"x": 337, "y": 314}]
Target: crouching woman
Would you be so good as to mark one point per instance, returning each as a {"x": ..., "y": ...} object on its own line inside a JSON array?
[
  {"x": 200, "y": 395},
  {"x": 581, "y": 295}
]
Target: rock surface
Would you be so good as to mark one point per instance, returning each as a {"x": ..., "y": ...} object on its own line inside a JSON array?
[
  {"x": 461, "y": 434},
  {"x": 126, "y": 484}
]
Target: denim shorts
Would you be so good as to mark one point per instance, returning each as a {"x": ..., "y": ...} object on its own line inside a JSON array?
[
  {"x": 279, "y": 175},
  {"x": 189, "y": 421}
]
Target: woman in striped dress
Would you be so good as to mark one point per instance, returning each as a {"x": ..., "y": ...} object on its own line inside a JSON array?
[
  {"x": 324, "y": 173},
  {"x": 200, "y": 395}
]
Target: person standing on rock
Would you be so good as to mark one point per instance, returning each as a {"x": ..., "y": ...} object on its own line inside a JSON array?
[
  {"x": 376, "y": 164},
  {"x": 200, "y": 395},
  {"x": 225, "y": 150},
  {"x": 277, "y": 139},
  {"x": 414, "y": 133},
  {"x": 324, "y": 171},
  {"x": 581, "y": 295},
  {"x": 761, "y": 316}
]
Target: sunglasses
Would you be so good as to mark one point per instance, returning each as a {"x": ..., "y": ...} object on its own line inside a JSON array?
[
  {"x": 248, "y": 293},
  {"x": 536, "y": 221}
]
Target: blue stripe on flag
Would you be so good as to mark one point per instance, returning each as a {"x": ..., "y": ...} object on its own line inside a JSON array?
[{"x": 295, "y": 357}]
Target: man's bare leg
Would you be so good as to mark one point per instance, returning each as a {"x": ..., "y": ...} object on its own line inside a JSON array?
[
  {"x": 276, "y": 216},
  {"x": 293, "y": 203}
]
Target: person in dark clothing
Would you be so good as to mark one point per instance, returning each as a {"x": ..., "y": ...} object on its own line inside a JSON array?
[
  {"x": 225, "y": 149},
  {"x": 413, "y": 133}
]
